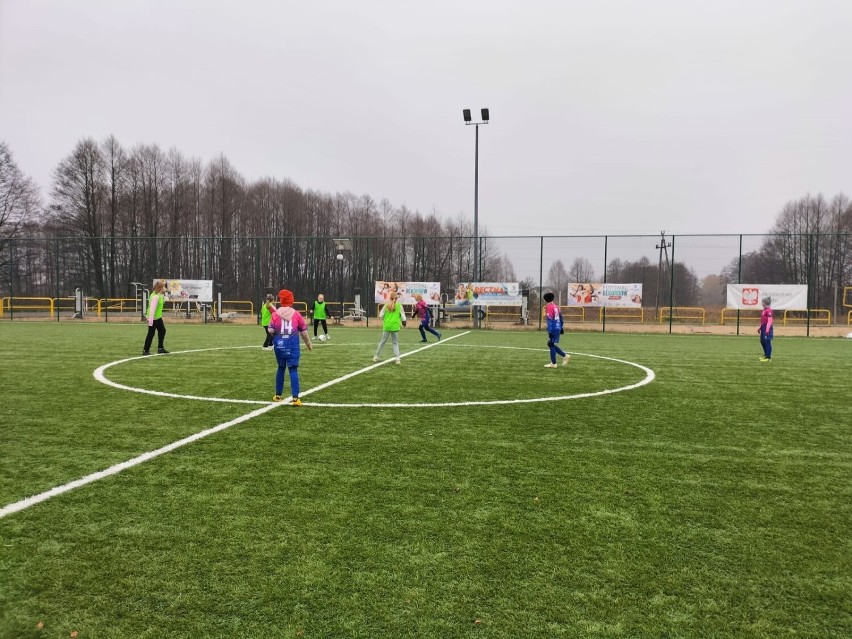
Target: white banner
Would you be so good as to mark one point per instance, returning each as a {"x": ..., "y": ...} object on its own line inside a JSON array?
[
  {"x": 488, "y": 294},
  {"x": 600, "y": 294},
  {"x": 188, "y": 290},
  {"x": 405, "y": 291},
  {"x": 785, "y": 297}
]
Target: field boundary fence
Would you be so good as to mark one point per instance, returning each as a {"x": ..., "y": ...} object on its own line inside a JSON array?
[{"x": 682, "y": 278}]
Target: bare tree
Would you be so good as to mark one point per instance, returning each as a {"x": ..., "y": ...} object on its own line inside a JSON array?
[
  {"x": 558, "y": 279},
  {"x": 20, "y": 207},
  {"x": 20, "y": 200},
  {"x": 79, "y": 191},
  {"x": 581, "y": 270}
]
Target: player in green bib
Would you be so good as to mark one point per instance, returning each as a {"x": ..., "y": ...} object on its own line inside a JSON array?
[
  {"x": 266, "y": 311},
  {"x": 393, "y": 318},
  {"x": 155, "y": 319},
  {"x": 320, "y": 315}
]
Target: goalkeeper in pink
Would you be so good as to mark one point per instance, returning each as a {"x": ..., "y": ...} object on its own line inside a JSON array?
[{"x": 765, "y": 330}]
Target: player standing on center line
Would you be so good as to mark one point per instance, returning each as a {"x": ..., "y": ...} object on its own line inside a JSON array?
[
  {"x": 287, "y": 326},
  {"x": 554, "y": 330}
]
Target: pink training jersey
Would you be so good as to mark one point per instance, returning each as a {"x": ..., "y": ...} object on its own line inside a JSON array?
[
  {"x": 766, "y": 319},
  {"x": 422, "y": 310},
  {"x": 287, "y": 322}
]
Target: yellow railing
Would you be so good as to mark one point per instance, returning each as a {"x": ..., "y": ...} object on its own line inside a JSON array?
[
  {"x": 234, "y": 306},
  {"x": 629, "y": 314},
  {"x": 573, "y": 313},
  {"x": 120, "y": 305},
  {"x": 849, "y": 318},
  {"x": 502, "y": 314},
  {"x": 12, "y": 304},
  {"x": 817, "y": 316},
  {"x": 683, "y": 314},
  {"x": 730, "y": 314}
]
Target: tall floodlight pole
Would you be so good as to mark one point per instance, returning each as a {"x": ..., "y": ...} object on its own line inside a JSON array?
[
  {"x": 664, "y": 245},
  {"x": 477, "y": 274}
]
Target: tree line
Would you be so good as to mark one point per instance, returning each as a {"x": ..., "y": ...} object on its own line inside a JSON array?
[{"x": 118, "y": 215}]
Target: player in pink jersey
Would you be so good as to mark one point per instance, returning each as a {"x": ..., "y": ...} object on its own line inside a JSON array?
[
  {"x": 422, "y": 309},
  {"x": 765, "y": 330},
  {"x": 286, "y": 326}
]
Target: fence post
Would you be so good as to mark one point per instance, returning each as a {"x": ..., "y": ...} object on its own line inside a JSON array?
[
  {"x": 603, "y": 308},
  {"x": 671, "y": 286},
  {"x": 540, "y": 276},
  {"x": 56, "y": 284}
]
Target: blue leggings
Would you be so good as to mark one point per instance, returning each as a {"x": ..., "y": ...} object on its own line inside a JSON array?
[
  {"x": 294, "y": 380},
  {"x": 552, "y": 342},
  {"x": 766, "y": 343}
]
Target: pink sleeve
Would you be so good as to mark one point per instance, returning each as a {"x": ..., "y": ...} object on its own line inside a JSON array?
[
  {"x": 301, "y": 326},
  {"x": 275, "y": 321}
]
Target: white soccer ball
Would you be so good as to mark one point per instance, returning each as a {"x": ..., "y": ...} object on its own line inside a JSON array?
[{"x": 321, "y": 338}]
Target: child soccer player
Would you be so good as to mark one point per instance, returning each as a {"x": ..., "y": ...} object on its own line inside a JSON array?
[
  {"x": 554, "y": 330},
  {"x": 393, "y": 318},
  {"x": 422, "y": 309},
  {"x": 320, "y": 316},
  {"x": 765, "y": 330},
  {"x": 287, "y": 325},
  {"x": 155, "y": 319},
  {"x": 266, "y": 312}
]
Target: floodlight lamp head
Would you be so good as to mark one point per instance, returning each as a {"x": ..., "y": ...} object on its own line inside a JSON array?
[
  {"x": 466, "y": 115},
  {"x": 485, "y": 115}
]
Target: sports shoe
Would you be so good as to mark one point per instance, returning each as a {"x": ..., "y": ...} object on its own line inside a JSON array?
[
  {"x": 566, "y": 359},
  {"x": 375, "y": 359},
  {"x": 146, "y": 352},
  {"x": 327, "y": 336},
  {"x": 398, "y": 361},
  {"x": 439, "y": 337},
  {"x": 423, "y": 341},
  {"x": 550, "y": 366},
  {"x": 162, "y": 351},
  {"x": 295, "y": 402},
  {"x": 765, "y": 359},
  {"x": 276, "y": 398}
]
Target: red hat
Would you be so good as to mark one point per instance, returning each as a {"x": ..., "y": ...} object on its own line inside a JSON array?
[{"x": 285, "y": 297}]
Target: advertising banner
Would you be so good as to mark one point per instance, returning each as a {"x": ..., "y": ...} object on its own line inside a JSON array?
[
  {"x": 488, "y": 294},
  {"x": 600, "y": 294},
  {"x": 188, "y": 290},
  {"x": 431, "y": 291},
  {"x": 785, "y": 297}
]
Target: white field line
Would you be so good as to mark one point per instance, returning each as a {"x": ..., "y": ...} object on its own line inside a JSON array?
[
  {"x": 649, "y": 377},
  {"x": 130, "y": 463}
]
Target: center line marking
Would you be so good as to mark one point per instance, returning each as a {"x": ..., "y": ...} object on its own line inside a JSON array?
[{"x": 23, "y": 504}]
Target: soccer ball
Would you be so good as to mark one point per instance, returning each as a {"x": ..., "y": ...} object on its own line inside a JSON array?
[{"x": 321, "y": 338}]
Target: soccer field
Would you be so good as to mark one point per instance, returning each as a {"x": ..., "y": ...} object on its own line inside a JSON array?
[{"x": 657, "y": 486}]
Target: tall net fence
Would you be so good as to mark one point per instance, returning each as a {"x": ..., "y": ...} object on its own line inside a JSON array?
[{"x": 683, "y": 277}]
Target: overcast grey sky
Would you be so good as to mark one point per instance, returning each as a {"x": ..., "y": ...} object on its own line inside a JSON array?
[{"x": 608, "y": 117}]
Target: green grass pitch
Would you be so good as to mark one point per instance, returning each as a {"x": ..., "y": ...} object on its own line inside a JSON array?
[{"x": 714, "y": 501}]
